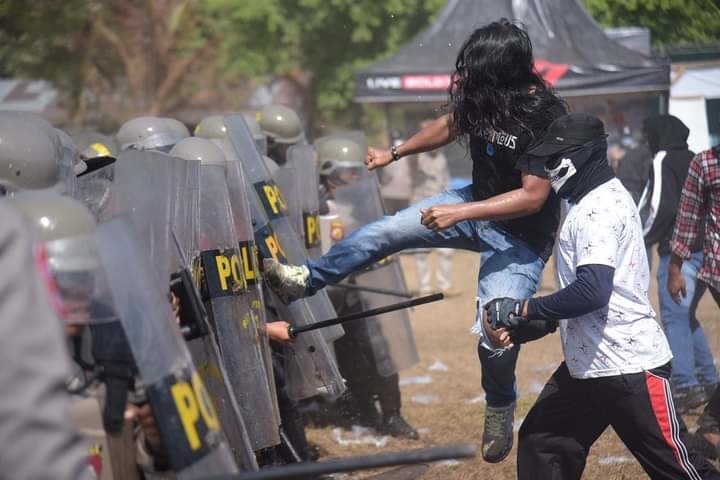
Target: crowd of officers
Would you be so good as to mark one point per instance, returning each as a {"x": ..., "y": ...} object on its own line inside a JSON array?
[{"x": 140, "y": 340}]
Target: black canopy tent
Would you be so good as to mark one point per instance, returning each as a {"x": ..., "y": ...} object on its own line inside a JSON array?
[
  {"x": 591, "y": 71},
  {"x": 571, "y": 51}
]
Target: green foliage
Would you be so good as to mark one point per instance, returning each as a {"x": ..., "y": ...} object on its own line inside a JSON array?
[
  {"x": 328, "y": 39},
  {"x": 126, "y": 49},
  {"x": 43, "y": 41},
  {"x": 671, "y": 22}
]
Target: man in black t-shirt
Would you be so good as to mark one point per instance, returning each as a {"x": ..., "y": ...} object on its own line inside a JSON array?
[{"x": 509, "y": 214}]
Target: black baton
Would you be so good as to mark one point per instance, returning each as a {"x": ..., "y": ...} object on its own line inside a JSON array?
[
  {"x": 295, "y": 331},
  {"x": 381, "y": 291},
  {"x": 302, "y": 470}
]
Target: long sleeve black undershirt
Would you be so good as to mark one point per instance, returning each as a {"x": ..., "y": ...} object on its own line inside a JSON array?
[{"x": 590, "y": 291}]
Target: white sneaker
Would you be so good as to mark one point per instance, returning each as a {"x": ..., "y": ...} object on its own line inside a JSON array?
[{"x": 289, "y": 282}]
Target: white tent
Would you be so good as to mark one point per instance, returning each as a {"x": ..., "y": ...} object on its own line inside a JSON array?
[{"x": 689, "y": 93}]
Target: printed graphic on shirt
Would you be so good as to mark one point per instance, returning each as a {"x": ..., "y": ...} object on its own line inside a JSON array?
[{"x": 498, "y": 137}]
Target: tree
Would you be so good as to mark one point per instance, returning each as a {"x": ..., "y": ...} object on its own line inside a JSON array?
[
  {"x": 120, "y": 57},
  {"x": 317, "y": 44},
  {"x": 127, "y": 57},
  {"x": 671, "y": 22}
]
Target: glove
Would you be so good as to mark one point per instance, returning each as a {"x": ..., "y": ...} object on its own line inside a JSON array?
[
  {"x": 505, "y": 313},
  {"x": 532, "y": 330}
]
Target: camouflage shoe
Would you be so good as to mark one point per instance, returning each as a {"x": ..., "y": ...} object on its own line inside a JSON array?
[
  {"x": 497, "y": 438},
  {"x": 289, "y": 282}
]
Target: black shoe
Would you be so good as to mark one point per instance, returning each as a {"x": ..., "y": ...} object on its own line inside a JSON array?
[
  {"x": 689, "y": 398},
  {"x": 709, "y": 389},
  {"x": 395, "y": 425}
]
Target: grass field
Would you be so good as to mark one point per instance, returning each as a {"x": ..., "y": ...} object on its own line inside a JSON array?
[{"x": 442, "y": 334}]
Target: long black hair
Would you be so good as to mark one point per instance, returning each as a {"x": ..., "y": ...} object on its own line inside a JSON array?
[{"x": 495, "y": 86}]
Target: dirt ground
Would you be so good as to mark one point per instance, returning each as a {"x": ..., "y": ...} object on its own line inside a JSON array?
[{"x": 457, "y": 411}]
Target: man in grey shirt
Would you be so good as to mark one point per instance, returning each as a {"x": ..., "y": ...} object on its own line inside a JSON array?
[{"x": 38, "y": 439}]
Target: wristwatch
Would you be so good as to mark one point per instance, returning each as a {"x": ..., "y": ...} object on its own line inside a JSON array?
[{"x": 394, "y": 153}]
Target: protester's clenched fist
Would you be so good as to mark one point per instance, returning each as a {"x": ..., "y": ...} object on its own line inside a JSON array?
[
  {"x": 377, "y": 158},
  {"x": 440, "y": 217}
]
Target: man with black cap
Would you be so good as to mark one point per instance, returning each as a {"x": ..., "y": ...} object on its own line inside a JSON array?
[{"x": 617, "y": 359}]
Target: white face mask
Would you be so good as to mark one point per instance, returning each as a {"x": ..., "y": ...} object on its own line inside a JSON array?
[{"x": 559, "y": 175}]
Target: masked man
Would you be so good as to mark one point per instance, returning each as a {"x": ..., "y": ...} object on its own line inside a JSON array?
[{"x": 617, "y": 360}]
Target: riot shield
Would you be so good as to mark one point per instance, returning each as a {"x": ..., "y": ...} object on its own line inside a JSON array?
[
  {"x": 190, "y": 428},
  {"x": 391, "y": 335},
  {"x": 298, "y": 181},
  {"x": 311, "y": 366},
  {"x": 162, "y": 192},
  {"x": 93, "y": 189},
  {"x": 247, "y": 248},
  {"x": 303, "y": 187},
  {"x": 225, "y": 291}
]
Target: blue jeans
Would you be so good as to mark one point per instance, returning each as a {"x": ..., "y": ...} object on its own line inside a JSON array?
[
  {"x": 508, "y": 268},
  {"x": 692, "y": 362}
]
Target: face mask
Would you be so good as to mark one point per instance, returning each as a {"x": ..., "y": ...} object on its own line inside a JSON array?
[
  {"x": 577, "y": 170},
  {"x": 559, "y": 175}
]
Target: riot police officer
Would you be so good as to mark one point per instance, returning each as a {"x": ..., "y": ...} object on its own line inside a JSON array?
[
  {"x": 365, "y": 353},
  {"x": 282, "y": 127}
]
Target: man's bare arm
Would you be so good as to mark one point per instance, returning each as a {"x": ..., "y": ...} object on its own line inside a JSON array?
[
  {"x": 520, "y": 202},
  {"x": 434, "y": 135}
]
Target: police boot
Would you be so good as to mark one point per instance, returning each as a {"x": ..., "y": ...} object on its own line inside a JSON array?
[{"x": 395, "y": 425}]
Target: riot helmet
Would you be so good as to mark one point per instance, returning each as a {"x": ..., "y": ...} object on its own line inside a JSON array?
[
  {"x": 196, "y": 148},
  {"x": 30, "y": 153},
  {"x": 150, "y": 133},
  {"x": 66, "y": 255},
  {"x": 178, "y": 127},
  {"x": 280, "y": 124},
  {"x": 94, "y": 145},
  {"x": 341, "y": 161},
  {"x": 282, "y": 127},
  {"x": 211, "y": 127}
]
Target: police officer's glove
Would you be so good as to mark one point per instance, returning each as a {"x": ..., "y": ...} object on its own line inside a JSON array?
[
  {"x": 532, "y": 330},
  {"x": 505, "y": 313}
]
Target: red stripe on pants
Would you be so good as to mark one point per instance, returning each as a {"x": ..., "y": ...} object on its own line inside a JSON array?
[{"x": 658, "y": 400}]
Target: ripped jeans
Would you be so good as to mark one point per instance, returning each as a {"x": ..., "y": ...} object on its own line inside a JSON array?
[{"x": 508, "y": 268}]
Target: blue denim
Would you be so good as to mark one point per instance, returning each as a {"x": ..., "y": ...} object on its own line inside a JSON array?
[
  {"x": 508, "y": 268},
  {"x": 692, "y": 362}
]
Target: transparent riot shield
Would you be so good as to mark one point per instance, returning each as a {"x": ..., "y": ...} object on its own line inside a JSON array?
[
  {"x": 298, "y": 181},
  {"x": 225, "y": 289},
  {"x": 303, "y": 187},
  {"x": 161, "y": 194},
  {"x": 93, "y": 190},
  {"x": 189, "y": 426},
  {"x": 311, "y": 366},
  {"x": 249, "y": 262},
  {"x": 390, "y": 335}
]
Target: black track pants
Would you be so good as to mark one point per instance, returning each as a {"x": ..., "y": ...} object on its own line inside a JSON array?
[{"x": 570, "y": 414}]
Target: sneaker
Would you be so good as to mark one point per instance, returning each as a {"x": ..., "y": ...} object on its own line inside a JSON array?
[
  {"x": 395, "y": 425},
  {"x": 687, "y": 399},
  {"x": 497, "y": 440},
  {"x": 289, "y": 282}
]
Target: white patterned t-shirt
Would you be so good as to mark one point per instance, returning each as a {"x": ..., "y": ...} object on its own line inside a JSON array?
[{"x": 623, "y": 337}]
